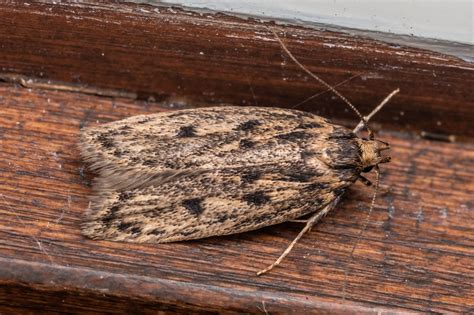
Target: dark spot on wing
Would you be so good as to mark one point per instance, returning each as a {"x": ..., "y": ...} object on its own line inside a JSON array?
[
  {"x": 316, "y": 187},
  {"x": 125, "y": 195},
  {"x": 248, "y": 125},
  {"x": 114, "y": 209},
  {"x": 136, "y": 230},
  {"x": 186, "y": 131},
  {"x": 186, "y": 233},
  {"x": 301, "y": 176},
  {"x": 123, "y": 226},
  {"x": 105, "y": 141},
  {"x": 119, "y": 152},
  {"x": 111, "y": 215},
  {"x": 125, "y": 127},
  {"x": 193, "y": 205},
  {"x": 246, "y": 144},
  {"x": 250, "y": 176},
  {"x": 257, "y": 198},
  {"x": 124, "y": 130},
  {"x": 306, "y": 154},
  {"x": 134, "y": 160},
  {"x": 171, "y": 164},
  {"x": 113, "y": 133},
  {"x": 156, "y": 232},
  {"x": 309, "y": 125},
  {"x": 293, "y": 136},
  {"x": 262, "y": 218},
  {"x": 143, "y": 120},
  {"x": 222, "y": 218},
  {"x": 150, "y": 162}
]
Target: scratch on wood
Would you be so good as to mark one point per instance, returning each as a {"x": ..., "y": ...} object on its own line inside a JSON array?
[{"x": 40, "y": 246}]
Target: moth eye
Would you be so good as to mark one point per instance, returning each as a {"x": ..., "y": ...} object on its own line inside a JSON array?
[{"x": 367, "y": 169}]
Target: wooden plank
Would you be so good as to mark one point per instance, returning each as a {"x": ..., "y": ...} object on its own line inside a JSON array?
[
  {"x": 415, "y": 256},
  {"x": 168, "y": 54}
]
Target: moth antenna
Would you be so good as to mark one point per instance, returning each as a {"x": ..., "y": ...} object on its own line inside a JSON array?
[
  {"x": 328, "y": 90},
  {"x": 364, "y": 227},
  {"x": 363, "y": 123},
  {"x": 320, "y": 80},
  {"x": 309, "y": 224}
]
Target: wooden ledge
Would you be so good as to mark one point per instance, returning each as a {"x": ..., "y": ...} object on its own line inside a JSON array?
[
  {"x": 71, "y": 65},
  {"x": 415, "y": 255}
]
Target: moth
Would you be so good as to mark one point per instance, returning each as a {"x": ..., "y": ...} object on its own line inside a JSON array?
[{"x": 197, "y": 173}]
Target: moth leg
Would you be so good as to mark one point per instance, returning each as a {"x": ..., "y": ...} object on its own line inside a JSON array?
[
  {"x": 309, "y": 224},
  {"x": 301, "y": 220},
  {"x": 364, "y": 180}
]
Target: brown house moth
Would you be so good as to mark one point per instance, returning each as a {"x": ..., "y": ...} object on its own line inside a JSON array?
[{"x": 204, "y": 172}]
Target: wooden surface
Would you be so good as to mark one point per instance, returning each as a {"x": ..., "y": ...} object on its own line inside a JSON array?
[{"x": 417, "y": 254}]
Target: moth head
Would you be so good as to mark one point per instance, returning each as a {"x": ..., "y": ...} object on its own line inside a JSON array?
[{"x": 371, "y": 153}]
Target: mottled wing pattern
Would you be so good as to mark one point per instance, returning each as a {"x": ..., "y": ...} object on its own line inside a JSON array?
[
  {"x": 164, "y": 144},
  {"x": 196, "y": 173},
  {"x": 221, "y": 202}
]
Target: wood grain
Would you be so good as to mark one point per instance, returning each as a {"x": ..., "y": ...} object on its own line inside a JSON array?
[
  {"x": 169, "y": 54},
  {"x": 111, "y": 60},
  {"x": 417, "y": 254}
]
